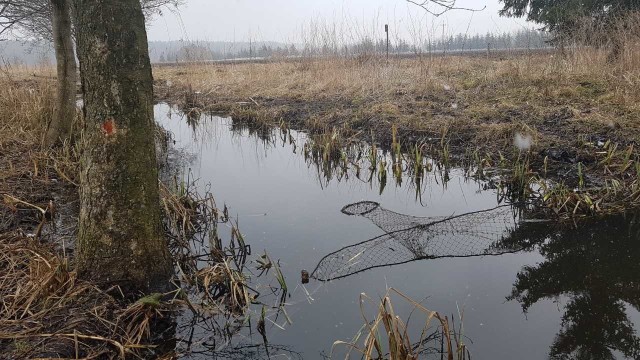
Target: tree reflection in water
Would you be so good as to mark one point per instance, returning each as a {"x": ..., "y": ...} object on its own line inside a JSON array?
[{"x": 596, "y": 266}]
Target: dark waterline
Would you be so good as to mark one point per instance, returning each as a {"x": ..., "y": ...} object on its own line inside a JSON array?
[{"x": 285, "y": 207}]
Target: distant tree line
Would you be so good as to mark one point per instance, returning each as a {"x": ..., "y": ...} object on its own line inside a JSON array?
[
  {"x": 204, "y": 51},
  {"x": 521, "y": 39}
]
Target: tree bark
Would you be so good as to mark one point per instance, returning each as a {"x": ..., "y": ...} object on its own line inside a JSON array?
[
  {"x": 120, "y": 237},
  {"x": 59, "y": 128}
]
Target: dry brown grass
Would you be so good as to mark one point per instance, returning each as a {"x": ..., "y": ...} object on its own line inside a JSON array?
[
  {"x": 211, "y": 273},
  {"x": 388, "y": 336},
  {"x": 47, "y": 312},
  {"x": 25, "y": 108},
  {"x": 308, "y": 80}
]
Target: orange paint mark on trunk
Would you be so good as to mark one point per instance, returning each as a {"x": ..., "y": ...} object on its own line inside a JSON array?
[{"x": 109, "y": 127}]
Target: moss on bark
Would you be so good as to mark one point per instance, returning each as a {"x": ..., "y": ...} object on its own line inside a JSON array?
[{"x": 120, "y": 237}]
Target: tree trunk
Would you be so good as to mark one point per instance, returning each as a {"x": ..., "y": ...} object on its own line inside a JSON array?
[
  {"x": 120, "y": 237},
  {"x": 60, "y": 126}
]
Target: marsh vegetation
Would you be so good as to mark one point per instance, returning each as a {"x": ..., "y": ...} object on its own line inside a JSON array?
[{"x": 336, "y": 203}]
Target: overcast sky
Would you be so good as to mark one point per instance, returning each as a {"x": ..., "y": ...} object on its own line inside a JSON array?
[{"x": 288, "y": 20}]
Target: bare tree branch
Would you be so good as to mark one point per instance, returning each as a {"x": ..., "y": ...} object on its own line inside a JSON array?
[
  {"x": 26, "y": 16},
  {"x": 32, "y": 18},
  {"x": 442, "y": 5}
]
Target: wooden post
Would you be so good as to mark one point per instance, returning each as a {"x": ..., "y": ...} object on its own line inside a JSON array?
[
  {"x": 444, "y": 42},
  {"x": 386, "y": 30}
]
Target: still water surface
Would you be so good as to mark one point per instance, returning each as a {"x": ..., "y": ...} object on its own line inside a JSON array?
[{"x": 581, "y": 287}]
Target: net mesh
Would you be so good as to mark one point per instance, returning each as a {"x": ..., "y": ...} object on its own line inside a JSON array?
[{"x": 407, "y": 238}]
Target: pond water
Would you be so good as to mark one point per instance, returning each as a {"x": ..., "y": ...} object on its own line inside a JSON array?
[{"x": 580, "y": 285}]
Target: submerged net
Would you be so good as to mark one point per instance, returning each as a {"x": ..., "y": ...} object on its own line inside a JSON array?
[{"x": 409, "y": 238}]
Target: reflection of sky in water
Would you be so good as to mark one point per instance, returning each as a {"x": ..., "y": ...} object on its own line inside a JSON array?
[{"x": 282, "y": 208}]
